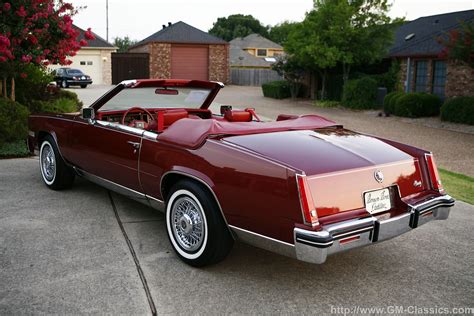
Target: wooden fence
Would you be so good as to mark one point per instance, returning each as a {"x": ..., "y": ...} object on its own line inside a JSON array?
[{"x": 253, "y": 76}]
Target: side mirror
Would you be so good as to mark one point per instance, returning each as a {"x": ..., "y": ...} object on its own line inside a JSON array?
[{"x": 88, "y": 114}]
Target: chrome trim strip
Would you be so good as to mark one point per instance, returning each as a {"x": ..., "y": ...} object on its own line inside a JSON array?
[
  {"x": 201, "y": 181},
  {"x": 121, "y": 128},
  {"x": 447, "y": 199},
  {"x": 329, "y": 243},
  {"x": 264, "y": 242},
  {"x": 156, "y": 203},
  {"x": 111, "y": 185},
  {"x": 150, "y": 136}
]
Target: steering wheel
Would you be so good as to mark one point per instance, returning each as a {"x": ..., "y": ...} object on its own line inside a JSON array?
[{"x": 141, "y": 110}]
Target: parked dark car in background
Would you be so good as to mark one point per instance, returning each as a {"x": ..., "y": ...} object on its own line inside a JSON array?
[{"x": 66, "y": 77}]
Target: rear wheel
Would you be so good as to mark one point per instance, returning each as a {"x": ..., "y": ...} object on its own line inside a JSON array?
[
  {"x": 64, "y": 84},
  {"x": 83, "y": 86},
  {"x": 55, "y": 173},
  {"x": 195, "y": 225}
]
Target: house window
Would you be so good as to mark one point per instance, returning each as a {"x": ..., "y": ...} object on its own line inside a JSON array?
[
  {"x": 439, "y": 78},
  {"x": 421, "y": 77},
  {"x": 83, "y": 63},
  {"x": 261, "y": 52},
  {"x": 89, "y": 63}
]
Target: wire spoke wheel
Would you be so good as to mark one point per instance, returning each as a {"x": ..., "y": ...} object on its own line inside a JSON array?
[
  {"x": 187, "y": 223},
  {"x": 48, "y": 162}
]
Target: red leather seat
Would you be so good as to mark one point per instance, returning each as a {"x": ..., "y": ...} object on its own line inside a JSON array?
[
  {"x": 238, "y": 116},
  {"x": 167, "y": 117}
]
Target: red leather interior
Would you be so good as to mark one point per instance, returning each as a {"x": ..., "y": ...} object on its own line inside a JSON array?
[
  {"x": 238, "y": 116},
  {"x": 167, "y": 117}
]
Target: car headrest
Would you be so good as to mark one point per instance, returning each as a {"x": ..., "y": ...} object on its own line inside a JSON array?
[
  {"x": 167, "y": 117},
  {"x": 238, "y": 116}
]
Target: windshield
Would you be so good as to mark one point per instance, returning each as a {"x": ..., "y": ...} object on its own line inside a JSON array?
[
  {"x": 175, "y": 97},
  {"x": 74, "y": 72}
]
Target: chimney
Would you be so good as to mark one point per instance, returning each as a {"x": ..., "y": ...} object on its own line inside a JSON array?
[
  {"x": 169, "y": 23},
  {"x": 164, "y": 26}
]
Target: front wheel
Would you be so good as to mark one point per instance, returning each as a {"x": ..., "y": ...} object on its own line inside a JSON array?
[
  {"x": 64, "y": 84},
  {"x": 83, "y": 86},
  {"x": 195, "y": 225},
  {"x": 55, "y": 173}
]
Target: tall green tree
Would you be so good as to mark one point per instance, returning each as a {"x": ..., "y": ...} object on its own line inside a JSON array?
[
  {"x": 341, "y": 32},
  {"x": 279, "y": 33},
  {"x": 237, "y": 25},
  {"x": 123, "y": 43}
]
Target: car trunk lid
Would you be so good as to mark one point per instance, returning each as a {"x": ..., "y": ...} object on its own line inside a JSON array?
[{"x": 340, "y": 165}]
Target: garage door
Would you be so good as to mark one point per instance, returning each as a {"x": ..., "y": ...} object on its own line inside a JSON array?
[
  {"x": 90, "y": 64},
  {"x": 190, "y": 62}
]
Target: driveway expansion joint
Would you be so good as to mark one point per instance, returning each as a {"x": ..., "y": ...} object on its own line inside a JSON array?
[{"x": 134, "y": 256}]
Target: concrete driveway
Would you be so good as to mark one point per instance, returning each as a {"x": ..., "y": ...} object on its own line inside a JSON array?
[
  {"x": 86, "y": 250},
  {"x": 65, "y": 253}
]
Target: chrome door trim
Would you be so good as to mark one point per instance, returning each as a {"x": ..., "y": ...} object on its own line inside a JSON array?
[
  {"x": 264, "y": 242},
  {"x": 110, "y": 185}
]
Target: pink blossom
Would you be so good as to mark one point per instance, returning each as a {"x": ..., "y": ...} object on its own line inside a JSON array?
[
  {"x": 21, "y": 12},
  {"x": 3, "y": 59},
  {"x": 26, "y": 58},
  {"x": 88, "y": 34},
  {"x": 23, "y": 75},
  {"x": 7, "y": 6},
  {"x": 83, "y": 43}
]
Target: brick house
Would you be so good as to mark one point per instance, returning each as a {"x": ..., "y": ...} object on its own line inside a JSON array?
[
  {"x": 417, "y": 49},
  {"x": 181, "y": 51}
]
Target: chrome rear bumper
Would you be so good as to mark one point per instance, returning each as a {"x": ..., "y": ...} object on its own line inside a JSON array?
[{"x": 315, "y": 246}]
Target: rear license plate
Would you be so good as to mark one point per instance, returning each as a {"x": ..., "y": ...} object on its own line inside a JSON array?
[{"x": 378, "y": 201}]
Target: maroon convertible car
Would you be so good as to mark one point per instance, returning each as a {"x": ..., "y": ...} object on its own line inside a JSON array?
[{"x": 301, "y": 186}]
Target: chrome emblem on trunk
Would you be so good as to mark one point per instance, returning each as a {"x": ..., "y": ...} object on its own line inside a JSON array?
[{"x": 378, "y": 175}]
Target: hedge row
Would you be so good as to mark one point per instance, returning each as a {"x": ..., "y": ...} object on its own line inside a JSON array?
[
  {"x": 458, "y": 110},
  {"x": 412, "y": 104},
  {"x": 13, "y": 121},
  {"x": 360, "y": 93},
  {"x": 276, "y": 89}
]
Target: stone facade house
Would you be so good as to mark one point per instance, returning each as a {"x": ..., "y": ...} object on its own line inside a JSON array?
[
  {"x": 181, "y": 51},
  {"x": 417, "y": 49},
  {"x": 93, "y": 59}
]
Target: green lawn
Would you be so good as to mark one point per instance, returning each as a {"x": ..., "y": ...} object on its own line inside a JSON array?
[{"x": 458, "y": 185}]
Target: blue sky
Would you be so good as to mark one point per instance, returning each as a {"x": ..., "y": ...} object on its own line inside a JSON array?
[{"x": 141, "y": 18}]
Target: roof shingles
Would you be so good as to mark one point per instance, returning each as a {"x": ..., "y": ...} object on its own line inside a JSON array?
[
  {"x": 183, "y": 33},
  {"x": 426, "y": 30}
]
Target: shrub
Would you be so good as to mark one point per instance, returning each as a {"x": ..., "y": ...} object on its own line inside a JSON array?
[
  {"x": 389, "y": 101},
  {"x": 458, "y": 110},
  {"x": 71, "y": 96},
  {"x": 33, "y": 86},
  {"x": 417, "y": 105},
  {"x": 360, "y": 93},
  {"x": 61, "y": 105},
  {"x": 276, "y": 89},
  {"x": 13, "y": 121}
]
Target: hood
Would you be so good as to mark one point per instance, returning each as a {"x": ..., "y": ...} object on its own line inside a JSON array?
[{"x": 321, "y": 151}]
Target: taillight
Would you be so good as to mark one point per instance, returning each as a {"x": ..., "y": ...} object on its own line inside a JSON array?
[
  {"x": 306, "y": 200},
  {"x": 434, "y": 175}
]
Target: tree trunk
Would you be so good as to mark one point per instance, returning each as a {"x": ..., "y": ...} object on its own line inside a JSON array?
[
  {"x": 323, "y": 74},
  {"x": 4, "y": 89},
  {"x": 12, "y": 96},
  {"x": 314, "y": 86},
  {"x": 345, "y": 73}
]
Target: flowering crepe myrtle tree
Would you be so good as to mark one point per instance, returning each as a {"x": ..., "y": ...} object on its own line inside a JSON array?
[{"x": 36, "y": 31}]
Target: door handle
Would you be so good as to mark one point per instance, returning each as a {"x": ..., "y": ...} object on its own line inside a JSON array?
[{"x": 134, "y": 144}]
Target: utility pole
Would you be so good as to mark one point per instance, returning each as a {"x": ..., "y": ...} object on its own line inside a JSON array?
[{"x": 107, "y": 19}]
